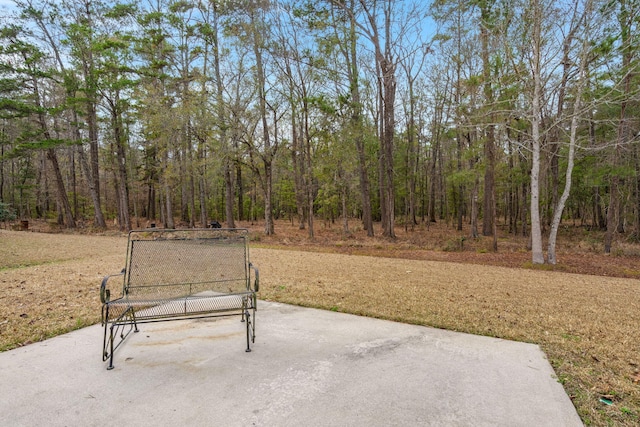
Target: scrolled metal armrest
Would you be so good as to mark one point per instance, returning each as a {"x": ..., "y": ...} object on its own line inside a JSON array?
[
  {"x": 105, "y": 294},
  {"x": 256, "y": 283}
]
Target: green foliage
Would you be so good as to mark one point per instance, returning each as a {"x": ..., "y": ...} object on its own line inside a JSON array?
[
  {"x": 7, "y": 213},
  {"x": 122, "y": 10},
  {"x": 454, "y": 244},
  {"x": 285, "y": 198},
  {"x": 322, "y": 103},
  {"x": 463, "y": 177}
]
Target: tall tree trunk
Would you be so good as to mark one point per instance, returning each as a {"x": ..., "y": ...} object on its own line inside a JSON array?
[
  {"x": 123, "y": 190},
  {"x": 474, "y": 209},
  {"x": 432, "y": 169},
  {"x": 575, "y": 118},
  {"x": 151, "y": 202},
  {"x": 460, "y": 204},
  {"x": 269, "y": 149},
  {"x": 192, "y": 199},
  {"x": 89, "y": 75},
  {"x": 240, "y": 192},
  {"x": 385, "y": 63},
  {"x": 2, "y": 199},
  {"x": 91, "y": 171},
  {"x": 489, "y": 211},
  {"x": 460, "y": 143},
  {"x": 356, "y": 122},
  {"x": 524, "y": 195},
  {"x": 554, "y": 143},
  {"x": 309, "y": 168},
  {"x": 412, "y": 161},
  {"x": 229, "y": 197},
  {"x": 63, "y": 199},
  {"x": 93, "y": 192},
  {"x": 382, "y": 182},
  {"x": 536, "y": 74},
  {"x": 268, "y": 189},
  {"x": 202, "y": 183},
  {"x": 298, "y": 169},
  {"x": 168, "y": 204},
  {"x": 92, "y": 126},
  {"x": 222, "y": 124},
  {"x": 433, "y": 181},
  {"x": 626, "y": 18},
  {"x": 166, "y": 198},
  {"x": 388, "y": 117},
  {"x": 203, "y": 202},
  {"x": 636, "y": 189},
  {"x": 357, "y": 131},
  {"x": 297, "y": 149},
  {"x": 345, "y": 211},
  {"x": 559, "y": 208},
  {"x": 512, "y": 195},
  {"x": 611, "y": 214}
]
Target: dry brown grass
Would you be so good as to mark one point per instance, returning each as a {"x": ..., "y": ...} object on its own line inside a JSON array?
[
  {"x": 50, "y": 282},
  {"x": 586, "y": 324}
]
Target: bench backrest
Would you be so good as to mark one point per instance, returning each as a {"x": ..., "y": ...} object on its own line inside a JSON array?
[{"x": 167, "y": 264}]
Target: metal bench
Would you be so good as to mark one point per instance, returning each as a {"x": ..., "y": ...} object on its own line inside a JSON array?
[{"x": 180, "y": 274}]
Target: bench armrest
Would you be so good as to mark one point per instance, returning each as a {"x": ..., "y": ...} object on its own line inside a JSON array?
[
  {"x": 105, "y": 294},
  {"x": 256, "y": 283}
]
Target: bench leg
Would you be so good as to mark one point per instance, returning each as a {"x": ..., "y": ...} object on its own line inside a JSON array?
[
  {"x": 248, "y": 320},
  {"x": 107, "y": 342},
  {"x": 253, "y": 322},
  {"x": 117, "y": 329},
  {"x": 110, "y": 367},
  {"x": 108, "y": 346},
  {"x": 135, "y": 321}
]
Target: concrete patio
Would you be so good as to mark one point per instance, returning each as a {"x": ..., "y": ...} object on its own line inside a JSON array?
[{"x": 308, "y": 368}]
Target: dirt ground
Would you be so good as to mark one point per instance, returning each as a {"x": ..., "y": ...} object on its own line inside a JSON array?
[{"x": 584, "y": 312}]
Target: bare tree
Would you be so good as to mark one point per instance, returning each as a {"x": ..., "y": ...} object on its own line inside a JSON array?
[
  {"x": 582, "y": 63},
  {"x": 536, "y": 11}
]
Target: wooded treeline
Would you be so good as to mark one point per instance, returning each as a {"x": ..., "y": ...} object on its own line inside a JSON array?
[{"x": 519, "y": 113}]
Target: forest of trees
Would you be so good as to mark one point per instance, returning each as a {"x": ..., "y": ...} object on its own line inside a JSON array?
[{"x": 521, "y": 114}]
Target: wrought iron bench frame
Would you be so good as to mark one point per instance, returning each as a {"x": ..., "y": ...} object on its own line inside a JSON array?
[{"x": 177, "y": 275}]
